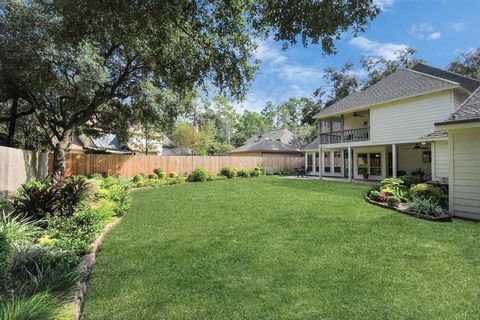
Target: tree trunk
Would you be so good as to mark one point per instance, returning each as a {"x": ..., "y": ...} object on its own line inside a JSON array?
[
  {"x": 60, "y": 151},
  {"x": 13, "y": 122}
]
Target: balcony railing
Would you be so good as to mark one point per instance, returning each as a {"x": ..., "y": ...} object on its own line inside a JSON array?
[{"x": 362, "y": 134}]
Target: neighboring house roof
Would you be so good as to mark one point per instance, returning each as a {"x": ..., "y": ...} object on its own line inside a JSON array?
[
  {"x": 468, "y": 111},
  {"x": 274, "y": 141},
  {"x": 312, "y": 145},
  {"x": 108, "y": 142},
  {"x": 400, "y": 84},
  {"x": 467, "y": 83},
  {"x": 168, "y": 143}
]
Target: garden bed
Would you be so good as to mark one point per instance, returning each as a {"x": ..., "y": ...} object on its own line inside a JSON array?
[{"x": 445, "y": 218}]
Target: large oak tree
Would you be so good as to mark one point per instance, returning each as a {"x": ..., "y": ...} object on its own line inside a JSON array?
[{"x": 78, "y": 64}]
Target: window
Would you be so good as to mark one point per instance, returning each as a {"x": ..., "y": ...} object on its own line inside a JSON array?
[
  {"x": 362, "y": 163},
  {"x": 337, "y": 162},
  {"x": 375, "y": 164},
  {"x": 326, "y": 161},
  {"x": 317, "y": 161},
  {"x": 427, "y": 156},
  {"x": 309, "y": 162}
]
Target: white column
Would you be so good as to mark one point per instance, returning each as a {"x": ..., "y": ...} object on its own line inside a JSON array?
[
  {"x": 394, "y": 160},
  {"x": 306, "y": 160},
  {"x": 313, "y": 162},
  {"x": 349, "y": 164},
  {"x": 320, "y": 162},
  {"x": 434, "y": 166}
]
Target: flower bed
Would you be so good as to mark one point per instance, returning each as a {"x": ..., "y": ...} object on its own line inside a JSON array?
[{"x": 420, "y": 200}]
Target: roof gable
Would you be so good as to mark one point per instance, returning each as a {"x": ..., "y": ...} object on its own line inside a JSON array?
[
  {"x": 468, "y": 111},
  {"x": 282, "y": 140}
]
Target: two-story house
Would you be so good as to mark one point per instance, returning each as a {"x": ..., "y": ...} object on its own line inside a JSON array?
[{"x": 389, "y": 129}]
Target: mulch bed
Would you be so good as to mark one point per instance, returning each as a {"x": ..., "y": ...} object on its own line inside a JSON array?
[{"x": 444, "y": 218}]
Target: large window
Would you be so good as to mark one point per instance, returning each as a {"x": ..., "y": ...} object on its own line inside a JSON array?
[
  {"x": 317, "y": 161},
  {"x": 362, "y": 163},
  {"x": 327, "y": 162},
  {"x": 309, "y": 162},
  {"x": 375, "y": 164},
  {"x": 337, "y": 162},
  {"x": 369, "y": 163}
]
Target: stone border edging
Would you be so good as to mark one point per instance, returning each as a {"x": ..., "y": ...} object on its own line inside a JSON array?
[
  {"x": 445, "y": 218},
  {"x": 86, "y": 267}
]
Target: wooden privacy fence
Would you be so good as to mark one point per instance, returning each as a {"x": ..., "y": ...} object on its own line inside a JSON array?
[
  {"x": 17, "y": 166},
  {"x": 130, "y": 165}
]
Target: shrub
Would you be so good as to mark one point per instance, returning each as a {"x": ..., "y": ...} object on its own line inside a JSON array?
[
  {"x": 407, "y": 180},
  {"x": 374, "y": 195},
  {"x": 254, "y": 173},
  {"x": 426, "y": 206},
  {"x": 75, "y": 233},
  {"x": 158, "y": 172},
  {"x": 42, "y": 306},
  {"x": 173, "y": 175},
  {"x": 56, "y": 195},
  {"x": 228, "y": 172},
  {"x": 198, "y": 175},
  {"x": 393, "y": 201},
  {"x": 35, "y": 200},
  {"x": 18, "y": 229},
  {"x": 242, "y": 173},
  {"x": 382, "y": 196},
  {"x": 428, "y": 191},
  {"x": 5, "y": 204},
  {"x": 213, "y": 177},
  {"x": 6, "y": 261},
  {"x": 153, "y": 176}
]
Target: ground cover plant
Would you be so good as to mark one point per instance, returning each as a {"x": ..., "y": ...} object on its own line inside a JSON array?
[{"x": 276, "y": 248}]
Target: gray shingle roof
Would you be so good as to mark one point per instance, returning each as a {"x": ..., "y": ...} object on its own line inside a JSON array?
[
  {"x": 466, "y": 82},
  {"x": 312, "y": 145},
  {"x": 274, "y": 141},
  {"x": 468, "y": 111},
  {"x": 401, "y": 83}
]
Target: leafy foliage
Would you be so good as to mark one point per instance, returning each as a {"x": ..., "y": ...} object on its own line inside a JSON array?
[
  {"x": 243, "y": 173},
  {"x": 467, "y": 64},
  {"x": 42, "y": 306},
  {"x": 429, "y": 191},
  {"x": 230, "y": 173},
  {"x": 198, "y": 175},
  {"x": 426, "y": 206}
]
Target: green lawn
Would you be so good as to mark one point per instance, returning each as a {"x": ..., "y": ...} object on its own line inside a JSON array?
[{"x": 272, "y": 248}]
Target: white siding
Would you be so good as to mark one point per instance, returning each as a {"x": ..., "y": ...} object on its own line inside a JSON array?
[
  {"x": 408, "y": 120},
  {"x": 441, "y": 160},
  {"x": 465, "y": 167}
]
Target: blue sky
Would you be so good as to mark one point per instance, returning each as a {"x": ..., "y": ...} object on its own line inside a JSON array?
[{"x": 438, "y": 29}]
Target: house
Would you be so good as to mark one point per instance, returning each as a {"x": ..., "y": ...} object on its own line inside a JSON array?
[
  {"x": 281, "y": 142},
  {"x": 389, "y": 128},
  {"x": 463, "y": 127}
]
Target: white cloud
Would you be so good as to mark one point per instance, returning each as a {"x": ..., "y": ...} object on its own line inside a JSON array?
[
  {"x": 384, "y": 50},
  {"x": 300, "y": 73},
  {"x": 457, "y": 26},
  {"x": 269, "y": 54},
  {"x": 425, "y": 31},
  {"x": 384, "y": 5}
]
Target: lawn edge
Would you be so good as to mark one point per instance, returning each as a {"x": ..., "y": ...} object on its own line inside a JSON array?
[{"x": 86, "y": 267}]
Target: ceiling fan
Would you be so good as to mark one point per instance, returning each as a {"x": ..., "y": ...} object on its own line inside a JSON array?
[
  {"x": 417, "y": 146},
  {"x": 357, "y": 115}
]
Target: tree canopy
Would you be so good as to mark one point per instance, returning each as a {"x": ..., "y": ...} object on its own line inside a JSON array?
[{"x": 78, "y": 64}]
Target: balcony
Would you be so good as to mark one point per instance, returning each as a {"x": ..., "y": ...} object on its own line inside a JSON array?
[{"x": 351, "y": 135}]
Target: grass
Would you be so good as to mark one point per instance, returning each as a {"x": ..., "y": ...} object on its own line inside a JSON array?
[{"x": 272, "y": 248}]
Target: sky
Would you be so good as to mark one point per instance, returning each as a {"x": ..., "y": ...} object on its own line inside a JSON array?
[{"x": 439, "y": 30}]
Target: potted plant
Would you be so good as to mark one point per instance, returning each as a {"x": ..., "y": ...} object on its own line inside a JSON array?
[{"x": 365, "y": 175}]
